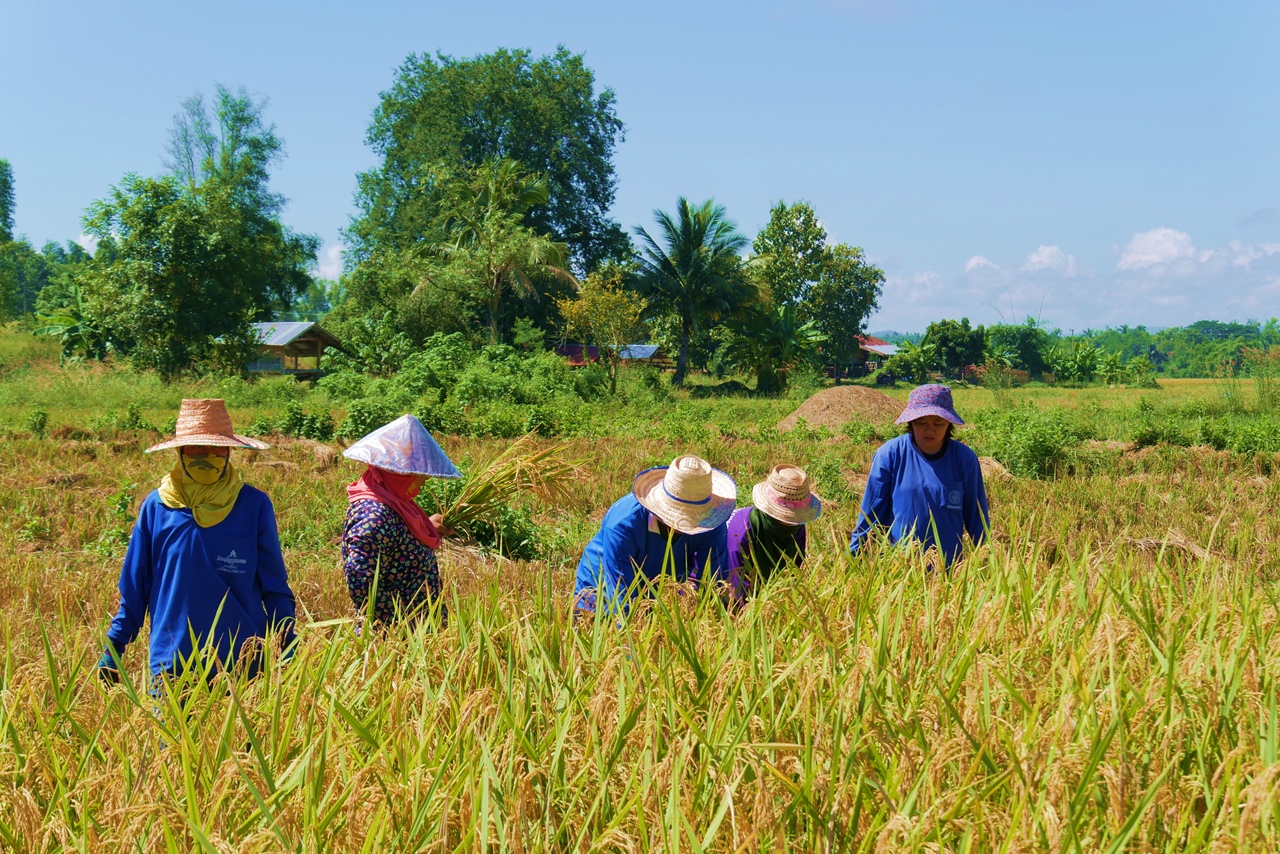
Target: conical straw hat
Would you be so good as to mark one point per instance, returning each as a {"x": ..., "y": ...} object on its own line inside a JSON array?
[
  {"x": 204, "y": 421},
  {"x": 689, "y": 495},
  {"x": 404, "y": 446},
  {"x": 787, "y": 496}
]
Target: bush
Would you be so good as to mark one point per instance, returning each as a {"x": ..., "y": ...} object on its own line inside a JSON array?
[
  {"x": 295, "y": 422},
  {"x": 344, "y": 386},
  {"x": 1242, "y": 434},
  {"x": 366, "y": 415},
  {"x": 512, "y": 533},
  {"x": 38, "y": 422},
  {"x": 1028, "y": 442}
]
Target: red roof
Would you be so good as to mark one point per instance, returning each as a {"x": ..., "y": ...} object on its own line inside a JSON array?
[
  {"x": 578, "y": 355},
  {"x": 869, "y": 339}
]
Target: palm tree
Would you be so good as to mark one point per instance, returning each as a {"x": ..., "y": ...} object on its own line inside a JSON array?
[
  {"x": 769, "y": 342},
  {"x": 484, "y": 220},
  {"x": 697, "y": 271}
]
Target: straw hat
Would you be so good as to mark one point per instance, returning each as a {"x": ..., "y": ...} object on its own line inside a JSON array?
[
  {"x": 787, "y": 496},
  {"x": 206, "y": 422},
  {"x": 689, "y": 495},
  {"x": 404, "y": 446}
]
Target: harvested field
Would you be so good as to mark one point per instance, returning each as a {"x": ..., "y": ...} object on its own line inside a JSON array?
[{"x": 835, "y": 407}]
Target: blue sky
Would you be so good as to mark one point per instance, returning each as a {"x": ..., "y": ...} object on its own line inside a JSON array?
[{"x": 1088, "y": 162}]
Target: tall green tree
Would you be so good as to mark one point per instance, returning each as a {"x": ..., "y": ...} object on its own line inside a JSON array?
[
  {"x": 193, "y": 268},
  {"x": 791, "y": 248},
  {"x": 6, "y": 201},
  {"x": 442, "y": 112},
  {"x": 198, "y": 255},
  {"x": 694, "y": 270},
  {"x": 958, "y": 344},
  {"x": 831, "y": 286},
  {"x": 486, "y": 242}
]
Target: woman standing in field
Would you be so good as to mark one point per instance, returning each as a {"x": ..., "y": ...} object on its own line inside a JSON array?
[
  {"x": 204, "y": 558},
  {"x": 389, "y": 543},
  {"x": 770, "y": 535},
  {"x": 924, "y": 485},
  {"x": 673, "y": 519}
]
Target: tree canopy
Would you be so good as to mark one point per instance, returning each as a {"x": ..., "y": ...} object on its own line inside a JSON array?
[{"x": 544, "y": 113}]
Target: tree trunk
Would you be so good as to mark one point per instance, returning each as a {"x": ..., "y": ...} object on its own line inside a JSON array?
[
  {"x": 494, "y": 302},
  {"x": 682, "y": 363}
]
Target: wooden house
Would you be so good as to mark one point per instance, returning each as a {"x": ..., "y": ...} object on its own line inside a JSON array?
[{"x": 292, "y": 347}]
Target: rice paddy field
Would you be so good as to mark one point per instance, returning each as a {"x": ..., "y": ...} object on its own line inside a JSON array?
[{"x": 1101, "y": 676}]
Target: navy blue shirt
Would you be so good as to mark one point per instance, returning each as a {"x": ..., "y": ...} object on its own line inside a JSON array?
[
  {"x": 628, "y": 540},
  {"x": 910, "y": 494},
  {"x": 226, "y": 582}
]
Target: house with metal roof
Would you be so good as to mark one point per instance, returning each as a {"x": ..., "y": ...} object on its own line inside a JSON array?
[{"x": 292, "y": 347}]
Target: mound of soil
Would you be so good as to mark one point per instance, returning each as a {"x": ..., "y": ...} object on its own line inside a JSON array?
[{"x": 835, "y": 407}]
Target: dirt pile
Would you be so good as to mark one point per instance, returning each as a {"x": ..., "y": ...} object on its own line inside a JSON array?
[{"x": 835, "y": 407}]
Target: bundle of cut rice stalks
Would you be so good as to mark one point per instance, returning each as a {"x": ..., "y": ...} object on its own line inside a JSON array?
[{"x": 521, "y": 468}]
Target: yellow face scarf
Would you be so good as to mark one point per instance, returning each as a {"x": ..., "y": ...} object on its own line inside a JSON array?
[{"x": 210, "y": 503}]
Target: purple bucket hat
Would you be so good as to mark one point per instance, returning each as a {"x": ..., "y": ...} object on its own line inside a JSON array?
[{"x": 930, "y": 400}]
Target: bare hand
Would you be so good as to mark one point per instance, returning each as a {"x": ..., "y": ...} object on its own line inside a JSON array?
[{"x": 438, "y": 520}]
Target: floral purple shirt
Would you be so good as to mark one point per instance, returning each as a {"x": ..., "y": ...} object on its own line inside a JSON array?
[{"x": 375, "y": 538}]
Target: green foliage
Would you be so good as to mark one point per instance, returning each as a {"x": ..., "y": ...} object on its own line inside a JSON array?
[
  {"x": 38, "y": 422},
  {"x": 1077, "y": 363},
  {"x": 828, "y": 475},
  {"x": 695, "y": 273},
  {"x": 114, "y": 538},
  {"x": 769, "y": 342},
  {"x": 913, "y": 362},
  {"x": 832, "y": 287},
  {"x": 6, "y": 201},
  {"x": 957, "y": 345},
  {"x": 1242, "y": 434},
  {"x": 1027, "y": 441},
  {"x": 294, "y": 421},
  {"x": 1025, "y": 347},
  {"x": 454, "y": 114},
  {"x": 366, "y": 415}
]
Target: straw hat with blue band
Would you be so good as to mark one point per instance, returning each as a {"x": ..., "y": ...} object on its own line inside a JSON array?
[{"x": 689, "y": 495}]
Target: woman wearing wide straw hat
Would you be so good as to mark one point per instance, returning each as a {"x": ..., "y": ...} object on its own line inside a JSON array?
[
  {"x": 766, "y": 537},
  {"x": 924, "y": 485},
  {"x": 682, "y": 507},
  {"x": 389, "y": 542},
  {"x": 204, "y": 558}
]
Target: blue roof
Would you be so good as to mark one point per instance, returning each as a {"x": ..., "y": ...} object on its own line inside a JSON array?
[
  {"x": 637, "y": 351},
  {"x": 280, "y": 333}
]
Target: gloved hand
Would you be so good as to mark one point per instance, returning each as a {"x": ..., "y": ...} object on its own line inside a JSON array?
[{"x": 108, "y": 671}]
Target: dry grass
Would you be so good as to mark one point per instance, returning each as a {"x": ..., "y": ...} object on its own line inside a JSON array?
[{"x": 1087, "y": 682}]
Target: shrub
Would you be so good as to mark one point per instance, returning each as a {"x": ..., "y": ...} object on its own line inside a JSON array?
[
  {"x": 366, "y": 415},
  {"x": 827, "y": 474},
  {"x": 38, "y": 422},
  {"x": 344, "y": 386},
  {"x": 295, "y": 422},
  {"x": 1028, "y": 442}
]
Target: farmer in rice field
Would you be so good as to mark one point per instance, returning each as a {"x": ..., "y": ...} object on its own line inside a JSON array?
[
  {"x": 388, "y": 540},
  {"x": 204, "y": 559},
  {"x": 924, "y": 485},
  {"x": 681, "y": 510},
  {"x": 770, "y": 535}
]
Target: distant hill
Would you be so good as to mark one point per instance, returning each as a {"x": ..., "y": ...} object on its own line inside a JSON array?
[{"x": 898, "y": 338}]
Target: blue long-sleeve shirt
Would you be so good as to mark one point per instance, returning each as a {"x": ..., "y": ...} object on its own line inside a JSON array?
[
  {"x": 909, "y": 494},
  {"x": 182, "y": 574},
  {"x": 629, "y": 540}
]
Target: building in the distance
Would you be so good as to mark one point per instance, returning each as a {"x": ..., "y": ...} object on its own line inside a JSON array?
[{"x": 292, "y": 347}]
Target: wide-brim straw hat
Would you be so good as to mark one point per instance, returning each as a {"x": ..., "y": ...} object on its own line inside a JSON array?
[
  {"x": 204, "y": 421},
  {"x": 930, "y": 400},
  {"x": 786, "y": 495},
  {"x": 689, "y": 495},
  {"x": 404, "y": 446}
]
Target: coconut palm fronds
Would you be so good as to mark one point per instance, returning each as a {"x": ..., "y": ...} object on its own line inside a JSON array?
[{"x": 521, "y": 468}]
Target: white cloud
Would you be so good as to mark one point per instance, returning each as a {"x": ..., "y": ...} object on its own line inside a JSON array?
[
  {"x": 1159, "y": 246},
  {"x": 88, "y": 242},
  {"x": 1161, "y": 279},
  {"x": 977, "y": 262},
  {"x": 329, "y": 262},
  {"x": 1051, "y": 259}
]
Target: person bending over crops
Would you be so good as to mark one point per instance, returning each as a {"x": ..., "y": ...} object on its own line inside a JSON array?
[
  {"x": 924, "y": 485},
  {"x": 678, "y": 510},
  {"x": 770, "y": 535},
  {"x": 204, "y": 559},
  {"x": 389, "y": 543}
]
